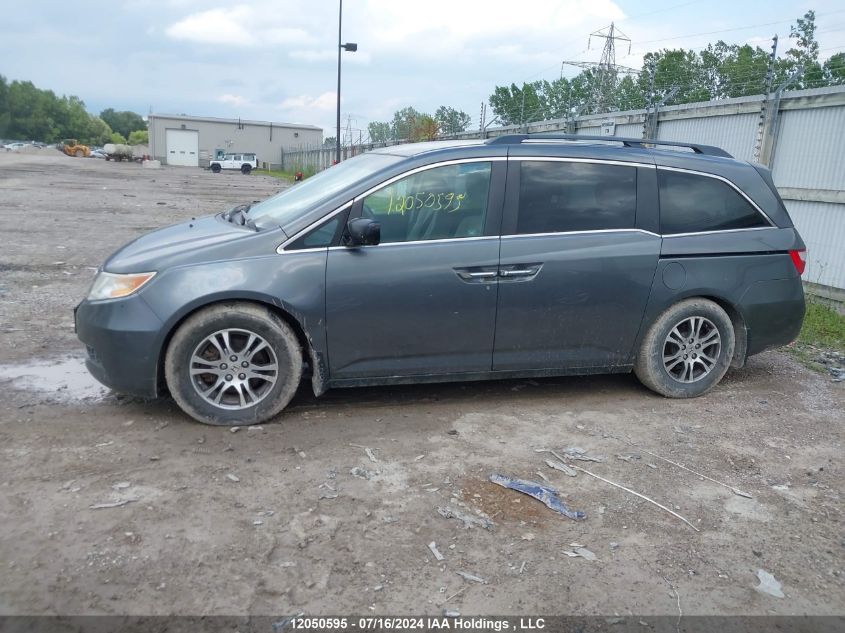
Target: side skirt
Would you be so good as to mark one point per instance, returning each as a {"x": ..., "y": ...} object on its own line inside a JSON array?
[{"x": 475, "y": 376}]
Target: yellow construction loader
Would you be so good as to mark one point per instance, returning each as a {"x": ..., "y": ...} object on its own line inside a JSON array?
[{"x": 72, "y": 147}]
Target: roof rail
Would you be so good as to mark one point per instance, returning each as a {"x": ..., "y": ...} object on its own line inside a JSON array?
[{"x": 515, "y": 139}]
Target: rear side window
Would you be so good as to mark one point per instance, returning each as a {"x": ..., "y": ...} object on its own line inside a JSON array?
[
  {"x": 690, "y": 203},
  {"x": 556, "y": 197}
]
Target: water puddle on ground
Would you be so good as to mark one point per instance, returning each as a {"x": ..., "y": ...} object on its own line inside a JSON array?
[{"x": 64, "y": 379}]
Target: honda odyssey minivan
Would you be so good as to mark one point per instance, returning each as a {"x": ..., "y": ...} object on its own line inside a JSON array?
[{"x": 540, "y": 255}]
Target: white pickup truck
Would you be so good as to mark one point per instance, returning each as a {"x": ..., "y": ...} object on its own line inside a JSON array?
[{"x": 245, "y": 162}]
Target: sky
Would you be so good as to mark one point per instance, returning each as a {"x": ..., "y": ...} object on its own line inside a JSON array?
[{"x": 277, "y": 59}]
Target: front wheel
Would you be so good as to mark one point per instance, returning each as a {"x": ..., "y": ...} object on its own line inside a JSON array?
[
  {"x": 215, "y": 168},
  {"x": 233, "y": 364},
  {"x": 246, "y": 169},
  {"x": 687, "y": 351}
]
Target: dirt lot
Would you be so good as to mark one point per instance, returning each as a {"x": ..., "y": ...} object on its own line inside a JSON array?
[{"x": 248, "y": 522}]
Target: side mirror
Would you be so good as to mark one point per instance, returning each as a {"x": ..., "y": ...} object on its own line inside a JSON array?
[{"x": 363, "y": 232}]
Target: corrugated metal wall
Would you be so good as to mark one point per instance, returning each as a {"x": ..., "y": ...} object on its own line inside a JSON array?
[
  {"x": 822, "y": 225},
  {"x": 734, "y": 133},
  {"x": 810, "y": 151}
]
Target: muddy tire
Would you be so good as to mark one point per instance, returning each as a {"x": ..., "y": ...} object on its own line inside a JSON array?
[
  {"x": 246, "y": 169},
  {"x": 687, "y": 350},
  {"x": 215, "y": 168},
  {"x": 79, "y": 153},
  {"x": 233, "y": 364}
]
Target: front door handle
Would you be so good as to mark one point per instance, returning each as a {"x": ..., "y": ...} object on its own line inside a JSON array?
[
  {"x": 519, "y": 272},
  {"x": 487, "y": 274},
  {"x": 478, "y": 274}
]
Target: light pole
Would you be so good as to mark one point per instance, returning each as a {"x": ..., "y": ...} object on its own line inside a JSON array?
[{"x": 350, "y": 47}]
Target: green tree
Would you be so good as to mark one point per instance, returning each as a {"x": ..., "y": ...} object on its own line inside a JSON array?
[
  {"x": 515, "y": 106},
  {"x": 451, "y": 121},
  {"x": 123, "y": 122},
  {"x": 803, "y": 54},
  {"x": 5, "y": 115},
  {"x": 117, "y": 138},
  {"x": 404, "y": 122},
  {"x": 834, "y": 69},
  {"x": 100, "y": 132},
  {"x": 380, "y": 131},
  {"x": 139, "y": 137},
  {"x": 425, "y": 128}
]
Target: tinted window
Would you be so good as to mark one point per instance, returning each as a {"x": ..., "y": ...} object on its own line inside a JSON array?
[
  {"x": 691, "y": 203},
  {"x": 439, "y": 203},
  {"x": 556, "y": 197},
  {"x": 321, "y": 236}
]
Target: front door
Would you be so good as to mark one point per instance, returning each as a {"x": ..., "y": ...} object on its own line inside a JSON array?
[
  {"x": 575, "y": 270},
  {"x": 423, "y": 301}
]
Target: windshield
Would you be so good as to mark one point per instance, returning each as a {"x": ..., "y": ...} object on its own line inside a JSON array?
[{"x": 304, "y": 196}]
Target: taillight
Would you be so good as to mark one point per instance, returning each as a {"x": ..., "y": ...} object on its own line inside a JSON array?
[{"x": 799, "y": 260}]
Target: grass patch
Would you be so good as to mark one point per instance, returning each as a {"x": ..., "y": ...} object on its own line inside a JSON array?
[
  {"x": 287, "y": 174},
  {"x": 823, "y": 331},
  {"x": 275, "y": 173},
  {"x": 823, "y": 327}
]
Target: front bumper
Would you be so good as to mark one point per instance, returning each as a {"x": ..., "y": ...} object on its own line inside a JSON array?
[{"x": 123, "y": 338}]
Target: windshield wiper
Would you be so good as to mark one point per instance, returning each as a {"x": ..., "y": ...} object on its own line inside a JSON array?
[{"x": 237, "y": 216}]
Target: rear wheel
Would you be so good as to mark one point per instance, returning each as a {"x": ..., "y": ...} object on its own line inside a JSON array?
[
  {"x": 215, "y": 168},
  {"x": 233, "y": 364},
  {"x": 687, "y": 351},
  {"x": 245, "y": 169},
  {"x": 79, "y": 153}
]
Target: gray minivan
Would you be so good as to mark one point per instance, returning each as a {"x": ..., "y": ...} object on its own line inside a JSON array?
[{"x": 540, "y": 255}]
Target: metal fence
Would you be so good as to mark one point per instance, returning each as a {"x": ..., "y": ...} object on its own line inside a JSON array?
[{"x": 799, "y": 135}]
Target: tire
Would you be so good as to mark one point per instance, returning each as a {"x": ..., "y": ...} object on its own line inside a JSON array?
[
  {"x": 245, "y": 169},
  {"x": 215, "y": 168},
  {"x": 79, "y": 153},
  {"x": 669, "y": 364},
  {"x": 186, "y": 378}
]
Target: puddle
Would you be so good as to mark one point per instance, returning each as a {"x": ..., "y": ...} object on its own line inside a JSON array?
[{"x": 65, "y": 379}]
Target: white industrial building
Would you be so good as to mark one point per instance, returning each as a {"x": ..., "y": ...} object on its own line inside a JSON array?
[{"x": 193, "y": 141}]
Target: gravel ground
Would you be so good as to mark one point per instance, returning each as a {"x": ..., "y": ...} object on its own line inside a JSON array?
[{"x": 270, "y": 520}]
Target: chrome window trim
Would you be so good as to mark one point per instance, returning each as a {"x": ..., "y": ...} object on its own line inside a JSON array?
[
  {"x": 280, "y": 249},
  {"x": 477, "y": 238},
  {"x": 719, "y": 232},
  {"x": 754, "y": 205},
  {"x": 588, "y": 231},
  {"x": 566, "y": 159}
]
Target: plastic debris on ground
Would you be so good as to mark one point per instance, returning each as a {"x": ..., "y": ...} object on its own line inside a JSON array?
[
  {"x": 361, "y": 473},
  {"x": 469, "y": 520},
  {"x": 114, "y": 504},
  {"x": 579, "y": 453},
  {"x": 471, "y": 577},
  {"x": 433, "y": 547},
  {"x": 579, "y": 551},
  {"x": 548, "y": 496},
  {"x": 561, "y": 467},
  {"x": 768, "y": 584}
]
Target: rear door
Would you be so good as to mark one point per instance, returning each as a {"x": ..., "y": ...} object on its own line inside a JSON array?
[
  {"x": 577, "y": 260},
  {"x": 423, "y": 301}
]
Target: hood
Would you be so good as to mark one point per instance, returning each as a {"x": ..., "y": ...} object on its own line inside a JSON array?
[{"x": 194, "y": 242}]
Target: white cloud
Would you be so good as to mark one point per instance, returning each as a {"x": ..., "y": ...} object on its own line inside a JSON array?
[
  {"x": 239, "y": 26},
  {"x": 325, "y": 101},
  {"x": 233, "y": 100}
]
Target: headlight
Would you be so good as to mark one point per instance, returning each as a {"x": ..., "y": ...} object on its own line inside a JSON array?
[{"x": 114, "y": 286}]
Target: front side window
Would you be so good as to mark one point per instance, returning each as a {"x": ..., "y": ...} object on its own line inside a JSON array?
[
  {"x": 690, "y": 203},
  {"x": 439, "y": 203},
  {"x": 558, "y": 197}
]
